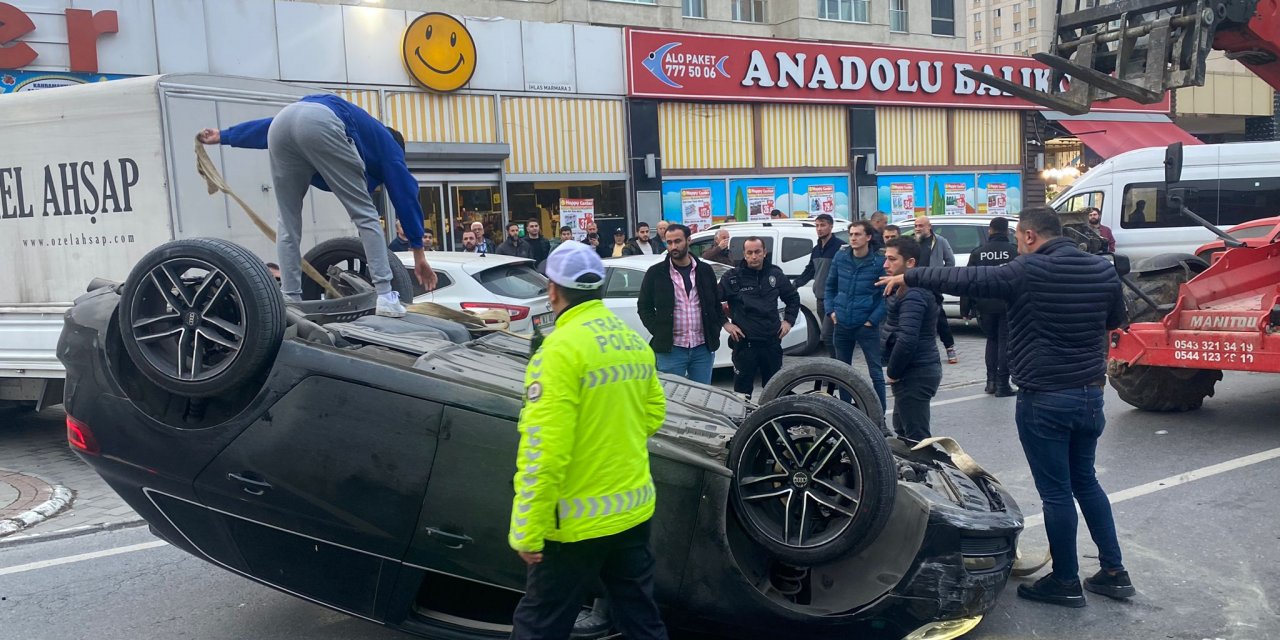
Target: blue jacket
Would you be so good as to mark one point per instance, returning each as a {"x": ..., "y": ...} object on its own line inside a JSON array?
[
  {"x": 383, "y": 158},
  {"x": 909, "y": 336},
  {"x": 851, "y": 290},
  {"x": 1062, "y": 302}
]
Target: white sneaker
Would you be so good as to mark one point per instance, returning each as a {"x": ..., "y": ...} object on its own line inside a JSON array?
[{"x": 389, "y": 305}]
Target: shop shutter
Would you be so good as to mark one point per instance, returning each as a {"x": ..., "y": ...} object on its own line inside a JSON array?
[
  {"x": 367, "y": 100},
  {"x": 706, "y": 136},
  {"x": 987, "y": 137},
  {"x": 911, "y": 137},
  {"x": 433, "y": 117},
  {"x": 801, "y": 135},
  {"x": 564, "y": 135}
]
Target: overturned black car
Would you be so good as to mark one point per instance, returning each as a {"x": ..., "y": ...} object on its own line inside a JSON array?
[{"x": 365, "y": 463}]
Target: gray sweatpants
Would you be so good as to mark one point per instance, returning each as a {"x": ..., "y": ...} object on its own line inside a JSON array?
[{"x": 306, "y": 138}]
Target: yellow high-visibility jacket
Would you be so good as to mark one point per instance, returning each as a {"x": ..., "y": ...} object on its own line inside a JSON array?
[{"x": 592, "y": 399}]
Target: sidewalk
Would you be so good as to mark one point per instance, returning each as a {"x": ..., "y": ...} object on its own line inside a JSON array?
[
  {"x": 34, "y": 457},
  {"x": 35, "y": 460}
]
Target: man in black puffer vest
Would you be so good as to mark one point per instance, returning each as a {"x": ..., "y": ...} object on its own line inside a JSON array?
[
  {"x": 909, "y": 342},
  {"x": 1062, "y": 303},
  {"x": 993, "y": 313},
  {"x": 752, "y": 290}
]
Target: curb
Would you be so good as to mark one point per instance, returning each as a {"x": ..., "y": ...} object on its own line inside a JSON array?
[
  {"x": 62, "y": 497},
  {"x": 17, "y": 541}
]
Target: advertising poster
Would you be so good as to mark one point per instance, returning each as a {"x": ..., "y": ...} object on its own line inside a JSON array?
[
  {"x": 996, "y": 190},
  {"x": 798, "y": 202},
  {"x": 822, "y": 199},
  {"x": 759, "y": 202},
  {"x": 903, "y": 196},
  {"x": 954, "y": 198},
  {"x": 997, "y": 198},
  {"x": 577, "y": 213},
  {"x": 695, "y": 206},
  {"x": 673, "y": 201},
  {"x": 19, "y": 81}
]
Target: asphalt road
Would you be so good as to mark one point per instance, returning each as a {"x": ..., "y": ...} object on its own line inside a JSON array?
[{"x": 1194, "y": 503}]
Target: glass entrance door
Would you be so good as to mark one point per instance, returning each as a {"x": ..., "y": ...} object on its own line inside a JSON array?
[
  {"x": 471, "y": 203},
  {"x": 431, "y": 198}
]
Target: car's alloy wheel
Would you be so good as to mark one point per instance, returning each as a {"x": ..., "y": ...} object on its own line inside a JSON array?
[
  {"x": 348, "y": 255},
  {"x": 824, "y": 376},
  {"x": 200, "y": 316},
  {"x": 813, "y": 478}
]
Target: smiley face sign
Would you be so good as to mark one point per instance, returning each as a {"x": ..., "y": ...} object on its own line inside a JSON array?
[{"x": 439, "y": 52}]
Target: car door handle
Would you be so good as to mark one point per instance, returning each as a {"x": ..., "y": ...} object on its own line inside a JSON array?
[
  {"x": 450, "y": 540},
  {"x": 251, "y": 485}
]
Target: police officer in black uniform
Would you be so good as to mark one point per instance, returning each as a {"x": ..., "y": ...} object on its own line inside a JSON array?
[
  {"x": 993, "y": 313},
  {"x": 752, "y": 290}
]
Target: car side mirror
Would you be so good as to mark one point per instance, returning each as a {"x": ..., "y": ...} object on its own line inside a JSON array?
[
  {"x": 1173, "y": 163},
  {"x": 1122, "y": 264}
]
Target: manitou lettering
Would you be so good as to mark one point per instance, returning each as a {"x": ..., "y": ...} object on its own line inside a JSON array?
[
  {"x": 70, "y": 189},
  {"x": 1223, "y": 323}
]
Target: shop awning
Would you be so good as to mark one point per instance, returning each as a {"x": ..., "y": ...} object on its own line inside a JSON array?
[{"x": 1110, "y": 137}]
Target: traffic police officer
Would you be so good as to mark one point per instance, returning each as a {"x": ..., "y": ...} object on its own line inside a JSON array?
[
  {"x": 993, "y": 315},
  {"x": 584, "y": 495},
  {"x": 752, "y": 290}
]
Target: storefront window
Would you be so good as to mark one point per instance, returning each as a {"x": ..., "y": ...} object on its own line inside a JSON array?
[
  {"x": 473, "y": 203},
  {"x": 541, "y": 201}
]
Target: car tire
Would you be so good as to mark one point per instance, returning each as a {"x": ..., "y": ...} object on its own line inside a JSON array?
[
  {"x": 825, "y": 376},
  {"x": 830, "y": 455},
  {"x": 239, "y": 316},
  {"x": 1159, "y": 388},
  {"x": 348, "y": 253}
]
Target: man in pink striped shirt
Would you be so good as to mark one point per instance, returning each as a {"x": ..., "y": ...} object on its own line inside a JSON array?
[{"x": 679, "y": 305}]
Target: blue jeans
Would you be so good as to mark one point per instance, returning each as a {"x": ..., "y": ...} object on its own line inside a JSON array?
[
  {"x": 1059, "y": 431},
  {"x": 694, "y": 364},
  {"x": 868, "y": 338}
]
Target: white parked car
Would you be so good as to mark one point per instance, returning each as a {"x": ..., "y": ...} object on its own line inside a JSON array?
[
  {"x": 965, "y": 233},
  {"x": 622, "y": 290},
  {"x": 480, "y": 282}
]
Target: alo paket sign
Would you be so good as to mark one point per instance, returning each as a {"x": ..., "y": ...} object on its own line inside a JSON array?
[
  {"x": 83, "y": 28},
  {"x": 705, "y": 67}
]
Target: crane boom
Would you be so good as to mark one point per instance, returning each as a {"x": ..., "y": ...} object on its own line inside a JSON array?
[{"x": 1140, "y": 49}]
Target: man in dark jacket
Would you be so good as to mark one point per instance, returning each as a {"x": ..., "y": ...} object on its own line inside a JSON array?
[
  {"x": 935, "y": 251},
  {"x": 719, "y": 249},
  {"x": 912, "y": 365},
  {"x": 684, "y": 320},
  {"x": 1062, "y": 303},
  {"x": 816, "y": 272},
  {"x": 643, "y": 243},
  {"x": 539, "y": 247},
  {"x": 878, "y": 223},
  {"x": 615, "y": 249},
  {"x": 855, "y": 304},
  {"x": 752, "y": 290},
  {"x": 992, "y": 313},
  {"x": 514, "y": 245}
]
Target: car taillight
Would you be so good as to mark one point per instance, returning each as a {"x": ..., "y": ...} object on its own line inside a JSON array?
[
  {"x": 516, "y": 311},
  {"x": 79, "y": 436}
]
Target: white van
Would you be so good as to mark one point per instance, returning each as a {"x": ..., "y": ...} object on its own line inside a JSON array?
[
  {"x": 93, "y": 177},
  {"x": 1232, "y": 183}
]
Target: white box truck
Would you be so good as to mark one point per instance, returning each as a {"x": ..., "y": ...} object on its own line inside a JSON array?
[{"x": 92, "y": 177}]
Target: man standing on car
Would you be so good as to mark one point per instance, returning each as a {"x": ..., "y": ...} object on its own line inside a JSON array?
[
  {"x": 719, "y": 249},
  {"x": 855, "y": 304},
  {"x": 679, "y": 304},
  {"x": 539, "y": 247},
  {"x": 816, "y": 272},
  {"x": 913, "y": 368},
  {"x": 935, "y": 251},
  {"x": 514, "y": 245},
  {"x": 752, "y": 290},
  {"x": 334, "y": 145},
  {"x": 585, "y": 441},
  {"x": 993, "y": 313},
  {"x": 642, "y": 244},
  {"x": 1062, "y": 304},
  {"x": 1095, "y": 221}
]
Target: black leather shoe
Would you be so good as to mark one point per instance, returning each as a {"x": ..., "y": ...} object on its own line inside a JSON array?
[
  {"x": 1050, "y": 590},
  {"x": 991, "y": 386},
  {"x": 1003, "y": 388},
  {"x": 1113, "y": 585}
]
